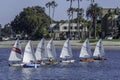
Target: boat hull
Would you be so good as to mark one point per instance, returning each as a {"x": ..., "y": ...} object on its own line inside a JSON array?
[
  {"x": 87, "y": 60},
  {"x": 54, "y": 62},
  {"x": 100, "y": 59},
  {"x": 68, "y": 61},
  {"x": 31, "y": 65},
  {"x": 16, "y": 65}
]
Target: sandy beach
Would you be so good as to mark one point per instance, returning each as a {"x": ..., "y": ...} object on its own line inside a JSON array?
[{"x": 59, "y": 44}]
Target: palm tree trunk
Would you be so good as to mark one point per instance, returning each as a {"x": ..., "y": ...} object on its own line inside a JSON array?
[
  {"x": 90, "y": 30},
  {"x": 78, "y": 20},
  {"x": 53, "y": 12},
  {"x": 69, "y": 34},
  {"x": 50, "y": 22},
  {"x": 69, "y": 26},
  {"x": 95, "y": 29}
]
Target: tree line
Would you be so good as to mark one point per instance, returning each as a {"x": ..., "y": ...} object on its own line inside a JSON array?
[{"x": 34, "y": 22}]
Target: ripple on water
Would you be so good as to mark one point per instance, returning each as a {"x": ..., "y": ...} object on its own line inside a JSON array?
[{"x": 106, "y": 70}]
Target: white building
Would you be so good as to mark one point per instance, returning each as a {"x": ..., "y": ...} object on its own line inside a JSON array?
[{"x": 61, "y": 30}]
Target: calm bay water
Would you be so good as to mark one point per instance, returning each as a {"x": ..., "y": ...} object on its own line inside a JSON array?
[{"x": 106, "y": 70}]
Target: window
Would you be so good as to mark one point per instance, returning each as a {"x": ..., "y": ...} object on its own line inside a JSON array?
[
  {"x": 75, "y": 27},
  {"x": 65, "y": 27}
]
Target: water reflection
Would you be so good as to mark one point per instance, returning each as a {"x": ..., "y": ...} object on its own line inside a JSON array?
[{"x": 27, "y": 73}]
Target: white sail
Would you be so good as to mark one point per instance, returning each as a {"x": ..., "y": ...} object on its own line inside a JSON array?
[
  {"x": 99, "y": 50},
  {"x": 51, "y": 50},
  {"x": 41, "y": 52},
  {"x": 16, "y": 52},
  {"x": 28, "y": 53},
  {"x": 85, "y": 50},
  {"x": 66, "y": 50}
]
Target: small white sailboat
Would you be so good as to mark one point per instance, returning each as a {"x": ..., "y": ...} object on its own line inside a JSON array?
[
  {"x": 99, "y": 53},
  {"x": 51, "y": 52},
  {"x": 66, "y": 53},
  {"x": 41, "y": 53},
  {"x": 85, "y": 53},
  {"x": 16, "y": 54},
  {"x": 29, "y": 58}
]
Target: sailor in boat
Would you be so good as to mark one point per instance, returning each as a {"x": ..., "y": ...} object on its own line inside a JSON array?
[
  {"x": 63, "y": 59},
  {"x": 42, "y": 62},
  {"x": 32, "y": 62},
  {"x": 52, "y": 61},
  {"x": 39, "y": 61}
]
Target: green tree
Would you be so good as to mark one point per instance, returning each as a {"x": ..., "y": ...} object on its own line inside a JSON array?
[
  {"x": 93, "y": 12},
  {"x": 31, "y": 21},
  {"x": 118, "y": 25},
  {"x": 6, "y": 31},
  {"x": 108, "y": 23}
]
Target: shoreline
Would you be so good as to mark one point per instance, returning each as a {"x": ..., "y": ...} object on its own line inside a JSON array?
[{"x": 59, "y": 44}]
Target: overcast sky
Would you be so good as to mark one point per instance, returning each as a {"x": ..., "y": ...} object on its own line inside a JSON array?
[{"x": 10, "y": 8}]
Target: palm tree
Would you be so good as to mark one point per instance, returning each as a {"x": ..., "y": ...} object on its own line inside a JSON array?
[
  {"x": 71, "y": 12},
  {"x": 53, "y": 4},
  {"x": 48, "y": 5},
  {"x": 79, "y": 17},
  {"x": 69, "y": 16},
  {"x": 94, "y": 12},
  {"x": 71, "y": 1},
  {"x": 111, "y": 18},
  {"x": 78, "y": 20}
]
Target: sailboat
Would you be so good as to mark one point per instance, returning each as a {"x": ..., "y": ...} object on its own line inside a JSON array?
[
  {"x": 41, "y": 53},
  {"x": 66, "y": 53},
  {"x": 99, "y": 53},
  {"x": 29, "y": 58},
  {"x": 51, "y": 52},
  {"x": 85, "y": 53},
  {"x": 15, "y": 57}
]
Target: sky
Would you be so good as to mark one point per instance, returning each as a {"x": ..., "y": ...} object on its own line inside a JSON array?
[{"x": 10, "y": 8}]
